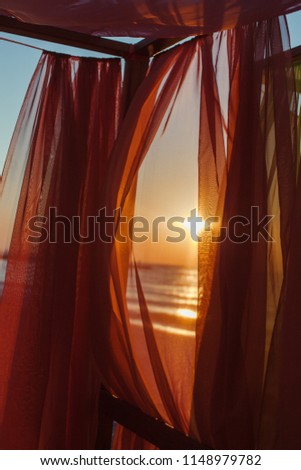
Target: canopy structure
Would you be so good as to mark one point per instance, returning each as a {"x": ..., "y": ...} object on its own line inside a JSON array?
[
  {"x": 202, "y": 338},
  {"x": 80, "y": 23},
  {"x": 147, "y": 18}
]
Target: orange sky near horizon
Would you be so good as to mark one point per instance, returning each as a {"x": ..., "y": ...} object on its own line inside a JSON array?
[{"x": 168, "y": 180}]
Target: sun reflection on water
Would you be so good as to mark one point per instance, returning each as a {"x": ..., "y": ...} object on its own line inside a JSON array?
[{"x": 187, "y": 313}]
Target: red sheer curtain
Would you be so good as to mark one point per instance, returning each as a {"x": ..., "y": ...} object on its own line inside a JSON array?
[
  {"x": 50, "y": 377},
  {"x": 147, "y": 383},
  {"x": 281, "y": 407},
  {"x": 147, "y": 18},
  {"x": 239, "y": 295}
]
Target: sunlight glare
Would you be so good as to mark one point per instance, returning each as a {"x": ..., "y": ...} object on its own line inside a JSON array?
[
  {"x": 187, "y": 313},
  {"x": 200, "y": 226}
]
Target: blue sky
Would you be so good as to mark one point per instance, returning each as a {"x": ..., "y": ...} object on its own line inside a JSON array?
[{"x": 17, "y": 64}]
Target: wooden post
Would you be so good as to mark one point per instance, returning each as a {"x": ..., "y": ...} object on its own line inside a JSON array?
[{"x": 151, "y": 429}]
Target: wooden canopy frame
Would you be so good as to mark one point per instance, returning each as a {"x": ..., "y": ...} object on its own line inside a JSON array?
[
  {"x": 146, "y": 47},
  {"x": 114, "y": 410}
]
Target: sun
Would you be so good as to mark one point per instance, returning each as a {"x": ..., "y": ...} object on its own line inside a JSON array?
[{"x": 200, "y": 226}]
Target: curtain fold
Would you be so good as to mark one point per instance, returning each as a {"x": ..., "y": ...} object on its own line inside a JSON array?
[
  {"x": 50, "y": 377},
  {"x": 281, "y": 407},
  {"x": 237, "y": 317},
  {"x": 147, "y": 18},
  {"x": 139, "y": 383}
]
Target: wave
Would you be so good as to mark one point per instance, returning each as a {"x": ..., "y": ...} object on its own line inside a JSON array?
[{"x": 171, "y": 296}]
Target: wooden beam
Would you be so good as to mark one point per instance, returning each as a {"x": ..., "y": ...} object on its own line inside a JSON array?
[
  {"x": 150, "y": 46},
  {"x": 65, "y": 37},
  {"x": 151, "y": 429},
  {"x": 296, "y": 51},
  {"x": 147, "y": 47},
  {"x": 135, "y": 70},
  {"x": 105, "y": 426}
]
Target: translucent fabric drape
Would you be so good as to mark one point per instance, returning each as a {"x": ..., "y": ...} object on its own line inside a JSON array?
[
  {"x": 147, "y": 18},
  {"x": 136, "y": 369},
  {"x": 244, "y": 87},
  {"x": 281, "y": 406},
  {"x": 242, "y": 293},
  {"x": 50, "y": 377}
]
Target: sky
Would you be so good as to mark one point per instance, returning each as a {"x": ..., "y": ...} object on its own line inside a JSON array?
[
  {"x": 17, "y": 64},
  {"x": 157, "y": 176}
]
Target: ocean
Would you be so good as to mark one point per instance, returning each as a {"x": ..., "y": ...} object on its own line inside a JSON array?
[
  {"x": 171, "y": 297},
  {"x": 170, "y": 293}
]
